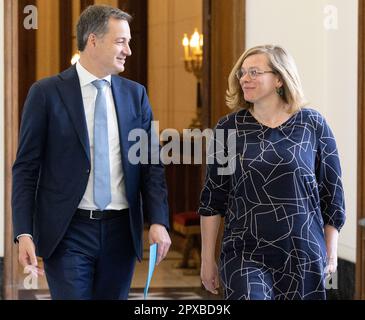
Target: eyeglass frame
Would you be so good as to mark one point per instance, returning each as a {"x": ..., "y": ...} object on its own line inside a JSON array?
[{"x": 258, "y": 72}]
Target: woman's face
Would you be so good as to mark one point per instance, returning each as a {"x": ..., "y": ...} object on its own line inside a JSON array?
[{"x": 262, "y": 86}]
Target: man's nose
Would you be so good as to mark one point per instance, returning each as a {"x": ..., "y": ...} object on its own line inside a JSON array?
[{"x": 127, "y": 50}]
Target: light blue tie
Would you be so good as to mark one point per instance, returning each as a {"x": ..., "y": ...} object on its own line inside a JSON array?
[{"x": 102, "y": 193}]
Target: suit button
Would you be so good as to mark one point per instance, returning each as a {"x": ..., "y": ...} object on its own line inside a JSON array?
[{"x": 87, "y": 170}]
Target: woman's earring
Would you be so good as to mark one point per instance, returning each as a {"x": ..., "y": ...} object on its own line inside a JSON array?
[{"x": 280, "y": 91}]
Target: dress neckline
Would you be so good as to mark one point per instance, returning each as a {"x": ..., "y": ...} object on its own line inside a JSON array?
[{"x": 278, "y": 126}]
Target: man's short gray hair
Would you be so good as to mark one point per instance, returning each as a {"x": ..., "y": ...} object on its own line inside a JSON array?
[{"x": 94, "y": 19}]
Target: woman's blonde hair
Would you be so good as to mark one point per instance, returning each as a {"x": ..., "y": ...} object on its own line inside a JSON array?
[{"x": 283, "y": 64}]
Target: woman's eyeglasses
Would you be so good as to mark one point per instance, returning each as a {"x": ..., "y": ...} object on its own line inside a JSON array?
[{"x": 253, "y": 73}]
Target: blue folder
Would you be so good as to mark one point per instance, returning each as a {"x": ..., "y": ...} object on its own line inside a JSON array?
[{"x": 151, "y": 267}]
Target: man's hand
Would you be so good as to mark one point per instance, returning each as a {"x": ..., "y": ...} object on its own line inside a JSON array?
[
  {"x": 158, "y": 234},
  {"x": 27, "y": 257}
]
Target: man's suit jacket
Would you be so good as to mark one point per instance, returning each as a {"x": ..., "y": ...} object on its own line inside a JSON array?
[{"x": 52, "y": 167}]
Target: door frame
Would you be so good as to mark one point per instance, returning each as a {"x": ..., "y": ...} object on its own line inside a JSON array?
[
  {"x": 360, "y": 247},
  {"x": 11, "y": 70}
]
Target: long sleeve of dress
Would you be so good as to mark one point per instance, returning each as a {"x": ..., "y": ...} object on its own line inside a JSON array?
[
  {"x": 214, "y": 196},
  {"x": 328, "y": 174}
]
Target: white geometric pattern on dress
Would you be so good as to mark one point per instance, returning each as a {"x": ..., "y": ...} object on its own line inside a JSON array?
[{"x": 286, "y": 187}]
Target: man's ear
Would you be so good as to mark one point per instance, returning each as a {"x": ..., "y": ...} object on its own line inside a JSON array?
[{"x": 91, "y": 40}]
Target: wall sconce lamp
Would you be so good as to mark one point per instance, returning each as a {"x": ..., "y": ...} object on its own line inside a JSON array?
[
  {"x": 193, "y": 53},
  {"x": 193, "y": 62}
]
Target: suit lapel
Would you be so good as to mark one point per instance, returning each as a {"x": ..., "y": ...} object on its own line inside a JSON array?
[
  {"x": 70, "y": 92},
  {"x": 125, "y": 113}
]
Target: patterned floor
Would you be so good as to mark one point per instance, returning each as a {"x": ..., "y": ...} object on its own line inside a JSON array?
[{"x": 137, "y": 294}]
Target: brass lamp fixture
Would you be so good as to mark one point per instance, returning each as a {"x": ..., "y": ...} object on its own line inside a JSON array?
[{"x": 193, "y": 62}]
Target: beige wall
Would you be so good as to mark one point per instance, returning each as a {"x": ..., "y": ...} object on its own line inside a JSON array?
[
  {"x": 2, "y": 126},
  {"x": 113, "y": 3},
  {"x": 327, "y": 62},
  {"x": 48, "y": 28},
  {"x": 75, "y": 18},
  {"x": 172, "y": 90}
]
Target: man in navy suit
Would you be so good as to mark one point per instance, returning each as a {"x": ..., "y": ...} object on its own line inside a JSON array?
[{"x": 78, "y": 202}]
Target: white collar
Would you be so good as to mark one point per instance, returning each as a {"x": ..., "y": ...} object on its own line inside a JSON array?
[{"x": 86, "y": 77}]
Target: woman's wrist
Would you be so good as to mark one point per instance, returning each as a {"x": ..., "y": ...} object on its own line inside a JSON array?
[
  {"x": 331, "y": 255},
  {"x": 208, "y": 257}
]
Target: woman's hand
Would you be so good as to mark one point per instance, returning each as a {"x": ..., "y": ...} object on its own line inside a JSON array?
[
  {"x": 209, "y": 276},
  {"x": 331, "y": 236},
  {"x": 331, "y": 265}
]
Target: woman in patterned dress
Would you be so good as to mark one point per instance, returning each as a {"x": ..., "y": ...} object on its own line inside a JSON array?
[{"x": 283, "y": 204}]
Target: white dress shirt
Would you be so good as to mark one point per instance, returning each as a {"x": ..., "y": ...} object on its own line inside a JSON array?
[{"x": 89, "y": 92}]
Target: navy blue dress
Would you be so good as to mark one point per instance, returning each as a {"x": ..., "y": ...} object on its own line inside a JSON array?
[{"x": 285, "y": 187}]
